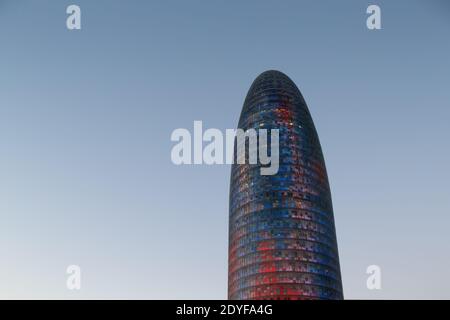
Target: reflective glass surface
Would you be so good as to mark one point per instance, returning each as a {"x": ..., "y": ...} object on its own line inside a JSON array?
[{"x": 282, "y": 239}]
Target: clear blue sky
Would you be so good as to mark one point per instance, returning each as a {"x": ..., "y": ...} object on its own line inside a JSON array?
[{"x": 86, "y": 118}]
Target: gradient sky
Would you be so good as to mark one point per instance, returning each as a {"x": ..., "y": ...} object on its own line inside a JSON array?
[{"x": 86, "y": 117}]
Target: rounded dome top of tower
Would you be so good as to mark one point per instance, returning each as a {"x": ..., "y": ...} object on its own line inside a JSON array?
[
  {"x": 272, "y": 74},
  {"x": 276, "y": 77},
  {"x": 271, "y": 82},
  {"x": 272, "y": 79}
]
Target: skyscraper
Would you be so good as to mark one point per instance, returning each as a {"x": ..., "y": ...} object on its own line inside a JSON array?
[{"x": 282, "y": 238}]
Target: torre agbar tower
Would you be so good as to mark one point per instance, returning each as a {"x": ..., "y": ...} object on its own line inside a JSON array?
[{"x": 282, "y": 238}]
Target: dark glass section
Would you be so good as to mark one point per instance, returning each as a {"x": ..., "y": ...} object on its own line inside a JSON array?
[{"x": 282, "y": 238}]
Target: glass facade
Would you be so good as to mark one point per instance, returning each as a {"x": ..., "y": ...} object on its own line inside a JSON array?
[{"x": 282, "y": 239}]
